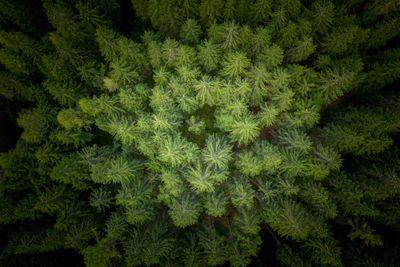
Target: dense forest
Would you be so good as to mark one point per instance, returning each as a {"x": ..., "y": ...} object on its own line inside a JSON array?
[{"x": 200, "y": 133}]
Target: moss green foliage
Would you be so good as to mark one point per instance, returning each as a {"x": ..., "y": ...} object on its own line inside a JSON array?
[{"x": 201, "y": 133}]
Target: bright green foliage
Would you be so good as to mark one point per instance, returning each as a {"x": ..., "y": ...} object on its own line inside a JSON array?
[
  {"x": 199, "y": 132},
  {"x": 271, "y": 56},
  {"x": 293, "y": 162},
  {"x": 235, "y": 64},
  {"x": 260, "y": 158},
  {"x": 171, "y": 151},
  {"x": 207, "y": 91},
  {"x": 202, "y": 178},
  {"x": 185, "y": 56},
  {"x": 169, "y": 51},
  {"x": 259, "y": 78},
  {"x": 283, "y": 98},
  {"x": 226, "y": 36},
  {"x": 268, "y": 115},
  {"x": 119, "y": 170},
  {"x": 279, "y": 82},
  {"x": 165, "y": 120},
  {"x": 70, "y": 119},
  {"x": 244, "y": 130},
  {"x": 270, "y": 155},
  {"x": 325, "y": 160},
  {"x": 289, "y": 218},
  {"x": 241, "y": 192},
  {"x": 123, "y": 73},
  {"x": 217, "y": 152},
  {"x": 185, "y": 210},
  {"x": 196, "y": 126},
  {"x": 249, "y": 164},
  {"x": 139, "y": 214},
  {"x": 209, "y": 55},
  {"x": 133, "y": 99},
  {"x": 295, "y": 139}
]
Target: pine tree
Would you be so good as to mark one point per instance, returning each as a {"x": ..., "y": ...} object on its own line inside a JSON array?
[
  {"x": 343, "y": 39},
  {"x": 235, "y": 64},
  {"x": 241, "y": 192},
  {"x": 226, "y": 35},
  {"x": 350, "y": 136},
  {"x": 208, "y": 55},
  {"x": 148, "y": 245},
  {"x": 196, "y": 126},
  {"x": 289, "y": 219},
  {"x": 213, "y": 245},
  {"x": 196, "y": 132},
  {"x": 190, "y": 32},
  {"x": 215, "y": 203},
  {"x": 294, "y": 139},
  {"x": 302, "y": 50},
  {"x": 202, "y": 179},
  {"x": 322, "y": 15},
  {"x": 217, "y": 152},
  {"x": 363, "y": 231},
  {"x": 260, "y": 11},
  {"x": 184, "y": 210},
  {"x": 325, "y": 251},
  {"x": 209, "y": 11},
  {"x": 244, "y": 130},
  {"x": 271, "y": 56},
  {"x": 336, "y": 82},
  {"x": 207, "y": 90}
]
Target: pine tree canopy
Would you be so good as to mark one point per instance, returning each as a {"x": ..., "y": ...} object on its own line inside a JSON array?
[{"x": 199, "y": 133}]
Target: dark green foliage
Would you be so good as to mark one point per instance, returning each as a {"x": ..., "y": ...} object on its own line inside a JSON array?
[
  {"x": 346, "y": 134},
  {"x": 200, "y": 132}
]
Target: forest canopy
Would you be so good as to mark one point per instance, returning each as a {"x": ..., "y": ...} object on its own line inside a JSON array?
[{"x": 200, "y": 133}]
